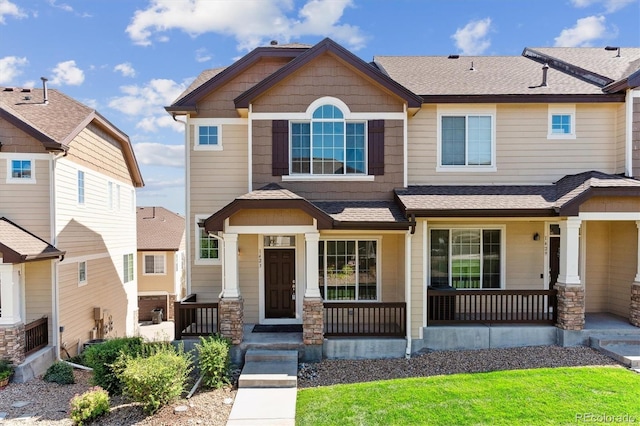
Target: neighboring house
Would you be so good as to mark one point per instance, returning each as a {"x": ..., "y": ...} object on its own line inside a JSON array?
[
  {"x": 161, "y": 261},
  {"x": 67, "y": 227},
  {"x": 392, "y": 197}
]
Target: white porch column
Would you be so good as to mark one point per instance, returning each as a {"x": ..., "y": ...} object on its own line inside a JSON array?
[
  {"x": 569, "y": 251},
  {"x": 311, "y": 240},
  {"x": 231, "y": 281},
  {"x": 10, "y": 294},
  {"x": 637, "y": 278}
]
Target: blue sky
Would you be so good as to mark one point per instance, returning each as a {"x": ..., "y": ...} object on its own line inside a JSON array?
[{"x": 130, "y": 58}]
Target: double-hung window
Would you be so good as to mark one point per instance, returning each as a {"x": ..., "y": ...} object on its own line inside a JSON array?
[
  {"x": 466, "y": 141},
  {"x": 155, "y": 264},
  {"x": 348, "y": 269},
  {"x": 466, "y": 258},
  {"x": 20, "y": 171},
  {"x": 80, "y": 187},
  {"x": 127, "y": 267},
  {"x": 207, "y": 247},
  {"x": 328, "y": 144}
]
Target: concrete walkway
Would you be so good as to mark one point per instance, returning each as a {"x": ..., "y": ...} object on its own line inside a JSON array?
[{"x": 267, "y": 389}]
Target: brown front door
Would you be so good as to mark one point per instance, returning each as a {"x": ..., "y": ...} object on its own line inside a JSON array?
[
  {"x": 279, "y": 283},
  {"x": 554, "y": 261}
]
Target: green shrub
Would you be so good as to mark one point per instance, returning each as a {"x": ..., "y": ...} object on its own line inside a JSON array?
[
  {"x": 214, "y": 360},
  {"x": 6, "y": 369},
  {"x": 101, "y": 357},
  {"x": 60, "y": 373},
  {"x": 157, "y": 378},
  {"x": 90, "y": 405}
]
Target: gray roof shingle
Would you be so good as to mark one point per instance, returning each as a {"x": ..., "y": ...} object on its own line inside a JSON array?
[
  {"x": 159, "y": 229},
  {"x": 18, "y": 245}
]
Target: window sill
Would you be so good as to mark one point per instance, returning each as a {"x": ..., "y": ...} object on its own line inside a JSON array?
[
  {"x": 154, "y": 274},
  {"x": 560, "y": 136},
  {"x": 207, "y": 262},
  {"x": 21, "y": 180},
  {"x": 466, "y": 169},
  {"x": 331, "y": 178},
  {"x": 207, "y": 147}
]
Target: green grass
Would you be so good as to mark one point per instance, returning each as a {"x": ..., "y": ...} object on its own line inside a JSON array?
[{"x": 549, "y": 396}]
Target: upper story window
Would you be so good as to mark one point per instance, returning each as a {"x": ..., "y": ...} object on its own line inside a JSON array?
[
  {"x": 562, "y": 122},
  {"x": 207, "y": 137},
  {"x": 80, "y": 187},
  {"x": 155, "y": 264},
  {"x": 21, "y": 171},
  {"x": 466, "y": 140},
  {"x": 328, "y": 144}
]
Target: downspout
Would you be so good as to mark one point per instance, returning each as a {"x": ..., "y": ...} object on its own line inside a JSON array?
[
  {"x": 407, "y": 288},
  {"x": 187, "y": 207},
  {"x": 628, "y": 138}
]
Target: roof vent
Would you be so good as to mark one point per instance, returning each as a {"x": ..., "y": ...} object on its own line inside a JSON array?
[
  {"x": 453, "y": 56},
  {"x": 545, "y": 69},
  {"x": 612, "y": 48},
  {"x": 26, "y": 90},
  {"x": 44, "y": 90},
  {"x": 274, "y": 42},
  {"x": 8, "y": 89},
  {"x": 472, "y": 67}
]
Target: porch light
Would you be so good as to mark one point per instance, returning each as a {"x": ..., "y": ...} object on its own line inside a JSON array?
[{"x": 536, "y": 236}]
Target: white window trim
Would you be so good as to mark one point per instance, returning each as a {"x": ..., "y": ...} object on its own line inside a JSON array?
[
  {"x": 503, "y": 252},
  {"x": 196, "y": 230},
  {"x": 82, "y": 283},
  {"x": 154, "y": 254},
  {"x": 197, "y": 122},
  {"x": 378, "y": 240},
  {"x": 132, "y": 269},
  {"x": 445, "y": 111},
  {"x": 567, "y": 109},
  {"x": 11, "y": 179},
  {"x": 347, "y": 118}
]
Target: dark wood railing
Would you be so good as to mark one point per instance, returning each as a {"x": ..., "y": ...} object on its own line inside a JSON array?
[
  {"x": 491, "y": 306},
  {"x": 365, "y": 319},
  {"x": 194, "y": 319},
  {"x": 36, "y": 335}
]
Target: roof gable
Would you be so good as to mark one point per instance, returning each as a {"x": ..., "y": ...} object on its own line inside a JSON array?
[{"x": 17, "y": 245}]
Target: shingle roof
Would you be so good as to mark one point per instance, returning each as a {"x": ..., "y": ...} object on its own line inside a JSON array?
[
  {"x": 159, "y": 229},
  {"x": 362, "y": 211},
  {"x": 597, "y": 59},
  {"x": 204, "y": 76},
  {"x": 271, "y": 191},
  {"x": 18, "y": 245},
  {"x": 555, "y": 199},
  {"x": 491, "y": 75}
]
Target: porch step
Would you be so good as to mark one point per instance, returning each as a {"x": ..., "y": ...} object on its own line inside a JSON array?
[
  {"x": 269, "y": 369},
  {"x": 624, "y": 349}
]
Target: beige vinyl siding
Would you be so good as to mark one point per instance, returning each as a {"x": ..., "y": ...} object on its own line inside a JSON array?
[
  {"x": 624, "y": 259},
  {"x": 248, "y": 276},
  {"x": 524, "y": 257},
  {"x": 38, "y": 290},
  {"x": 611, "y": 204},
  {"x": 392, "y": 258},
  {"x": 597, "y": 265},
  {"x": 102, "y": 290},
  {"x": 28, "y": 205},
  {"x": 523, "y": 153},
  {"x": 270, "y": 217},
  {"x": 157, "y": 282},
  {"x": 620, "y": 138},
  {"x": 206, "y": 282}
]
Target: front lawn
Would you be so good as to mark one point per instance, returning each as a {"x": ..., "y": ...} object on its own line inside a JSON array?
[{"x": 546, "y": 396}]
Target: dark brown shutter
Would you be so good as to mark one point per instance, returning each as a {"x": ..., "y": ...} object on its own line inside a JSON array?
[
  {"x": 376, "y": 147},
  {"x": 280, "y": 147}
]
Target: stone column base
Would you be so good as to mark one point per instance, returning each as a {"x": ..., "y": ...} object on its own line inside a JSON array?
[
  {"x": 570, "y": 306},
  {"x": 312, "y": 321},
  {"x": 231, "y": 317},
  {"x": 634, "y": 311},
  {"x": 12, "y": 344}
]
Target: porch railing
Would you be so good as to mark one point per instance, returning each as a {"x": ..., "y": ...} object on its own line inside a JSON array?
[
  {"x": 194, "y": 319},
  {"x": 36, "y": 335},
  {"x": 365, "y": 319},
  {"x": 491, "y": 306}
]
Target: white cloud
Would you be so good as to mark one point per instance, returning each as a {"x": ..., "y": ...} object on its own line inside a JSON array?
[
  {"x": 152, "y": 124},
  {"x": 609, "y": 5},
  {"x": 8, "y": 8},
  {"x": 126, "y": 69},
  {"x": 62, "y": 6},
  {"x": 472, "y": 39},
  {"x": 583, "y": 33},
  {"x": 157, "y": 154},
  {"x": 253, "y": 24},
  {"x": 67, "y": 73},
  {"x": 10, "y": 68},
  {"x": 202, "y": 55}
]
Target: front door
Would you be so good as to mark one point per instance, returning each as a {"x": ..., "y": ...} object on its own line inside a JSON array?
[{"x": 279, "y": 283}]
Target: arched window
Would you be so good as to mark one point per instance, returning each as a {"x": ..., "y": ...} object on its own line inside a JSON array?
[{"x": 328, "y": 144}]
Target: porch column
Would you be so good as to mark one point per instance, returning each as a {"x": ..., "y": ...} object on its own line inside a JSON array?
[
  {"x": 12, "y": 343},
  {"x": 571, "y": 303},
  {"x": 231, "y": 305},
  {"x": 312, "y": 307},
  {"x": 634, "y": 311}
]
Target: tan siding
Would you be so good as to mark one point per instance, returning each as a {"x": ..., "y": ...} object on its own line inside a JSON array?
[
  {"x": 31, "y": 211},
  {"x": 164, "y": 282},
  {"x": 220, "y": 103},
  {"x": 620, "y": 138},
  {"x": 38, "y": 287},
  {"x": 206, "y": 282},
  {"x": 524, "y": 257},
  {"x": 624, "y": 259},
  {"x": 265, "y": 217},
  {"x": 327, "y": 76},
  {"x": 248, "y": 276},
  {"x": 611, "y": 204},
  {"x": 523, "y": 152},
  {"x": 597, "y": 265},
  {"x": 77, "y": 303},
  {"x": 380, "y": 189},
  {"x": 392, "y": 256},
  {"x": 95, "y": 149},
  {"x": 15, "y": 140}
]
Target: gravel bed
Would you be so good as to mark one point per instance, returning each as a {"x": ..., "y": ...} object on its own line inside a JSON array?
[
  {"x": 331, "y": 372},
  {"x": 49, "y": 402}
]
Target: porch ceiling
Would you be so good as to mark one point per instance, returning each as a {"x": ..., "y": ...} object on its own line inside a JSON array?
[{"x": 18, "y": 245}]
